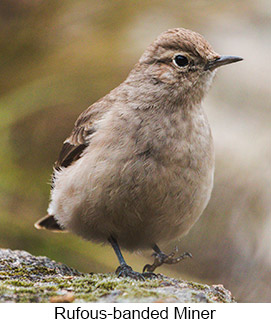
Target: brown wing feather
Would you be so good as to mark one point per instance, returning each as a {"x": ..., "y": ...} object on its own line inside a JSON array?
[
  {"x": 79, "y": 139},
  {"x": 74, "y": 146},
  {"x": 68, "y": 154}
]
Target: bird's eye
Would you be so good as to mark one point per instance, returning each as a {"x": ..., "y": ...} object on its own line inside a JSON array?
[{"x": 180, "y": 60}]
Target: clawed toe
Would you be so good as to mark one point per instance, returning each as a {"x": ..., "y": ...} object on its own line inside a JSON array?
[
  {"x": 161, "y": 258},
  {"x": 171, "y": 260},
  {"x": 149, "y": 274},
  {"x": 127, "y": 271},
  {"x": 148, "y": 268}
]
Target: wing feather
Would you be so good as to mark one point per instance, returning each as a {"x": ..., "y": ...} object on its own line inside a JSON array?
[{"x": 80, "y": 137}]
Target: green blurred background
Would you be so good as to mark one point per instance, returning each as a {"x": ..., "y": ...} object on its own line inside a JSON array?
[{"x": 58, "y": 57}]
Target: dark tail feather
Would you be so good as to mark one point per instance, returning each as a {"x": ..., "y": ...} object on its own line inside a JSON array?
[{"x": 49, "y": 223}]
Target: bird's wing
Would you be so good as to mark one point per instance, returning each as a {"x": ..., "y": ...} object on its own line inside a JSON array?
[
  {"x": 74, "y": 145},
  {"x": 79, "y": 139}
]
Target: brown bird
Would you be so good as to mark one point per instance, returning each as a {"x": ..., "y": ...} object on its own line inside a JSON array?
[{"x": 138, "y": 167}]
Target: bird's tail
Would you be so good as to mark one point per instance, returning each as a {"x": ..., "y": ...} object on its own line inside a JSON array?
[{"x": 48, "y": 222}]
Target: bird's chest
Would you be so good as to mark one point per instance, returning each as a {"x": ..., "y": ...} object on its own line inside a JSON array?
[
  {"x": 177, "y": 141},
  {"x": 176, "y": 156}
]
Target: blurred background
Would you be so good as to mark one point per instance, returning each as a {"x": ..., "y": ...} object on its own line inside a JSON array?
[{"x": 58, "y": 57}]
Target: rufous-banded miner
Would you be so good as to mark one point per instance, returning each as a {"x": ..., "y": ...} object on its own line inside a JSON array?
[{"x": 138, "y": 167}]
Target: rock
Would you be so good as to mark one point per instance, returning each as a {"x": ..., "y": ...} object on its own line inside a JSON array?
[{"x": 27, "y": 278}]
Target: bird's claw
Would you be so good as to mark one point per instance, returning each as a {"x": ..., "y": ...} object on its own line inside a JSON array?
[
  {"x": 127, "y": 271},
  {"x": 161, "y": 258}
]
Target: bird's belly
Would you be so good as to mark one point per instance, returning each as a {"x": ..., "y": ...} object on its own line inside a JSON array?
[{"x": 173, "y": 203}]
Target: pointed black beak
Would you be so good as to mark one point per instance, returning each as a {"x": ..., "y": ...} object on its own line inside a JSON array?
[{"x": 222, "y": 60}]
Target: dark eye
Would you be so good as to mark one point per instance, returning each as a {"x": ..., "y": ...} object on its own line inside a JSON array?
[{"x": 180, "y": 60}]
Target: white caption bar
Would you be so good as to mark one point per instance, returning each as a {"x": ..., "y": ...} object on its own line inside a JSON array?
[{"x": 157, "y": 312}]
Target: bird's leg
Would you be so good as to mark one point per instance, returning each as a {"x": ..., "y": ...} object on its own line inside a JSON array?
[
  {"x": 124, "y": 270},
  {"x": 161, "y": 258}
]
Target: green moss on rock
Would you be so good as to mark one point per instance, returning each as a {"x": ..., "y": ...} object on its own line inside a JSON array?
[{"x": 26, "y": 278}]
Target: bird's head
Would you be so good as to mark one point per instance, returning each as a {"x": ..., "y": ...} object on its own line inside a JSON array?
[{"x": 181, "y": 64}]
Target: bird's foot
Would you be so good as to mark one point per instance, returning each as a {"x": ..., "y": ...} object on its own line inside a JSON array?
[
  {"x": 161, "y": 258},
  {"x": 127, "y": 271}
]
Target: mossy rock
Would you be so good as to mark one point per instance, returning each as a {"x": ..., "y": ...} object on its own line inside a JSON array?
[{"x": 26, "y": 278}]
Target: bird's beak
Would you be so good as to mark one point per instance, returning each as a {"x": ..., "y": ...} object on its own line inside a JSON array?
[{"x": 222, "y": 60}]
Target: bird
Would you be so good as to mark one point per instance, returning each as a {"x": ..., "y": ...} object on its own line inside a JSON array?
[{"x": 138, "y": 167}]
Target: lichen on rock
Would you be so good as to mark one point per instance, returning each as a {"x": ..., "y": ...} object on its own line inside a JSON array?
[{"x": 27, "y": 278}]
